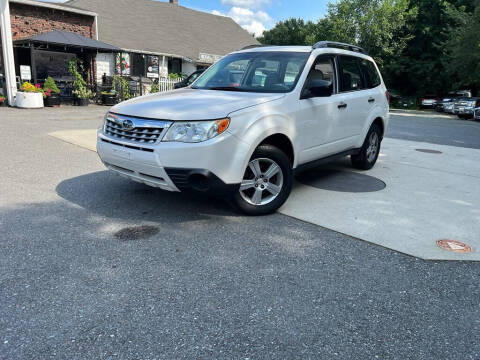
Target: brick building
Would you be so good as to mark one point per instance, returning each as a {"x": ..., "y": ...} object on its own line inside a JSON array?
[{"x": 29, "y": 18}]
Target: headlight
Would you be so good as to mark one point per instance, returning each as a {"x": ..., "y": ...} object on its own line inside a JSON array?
[{"x": 195, "y": 131}]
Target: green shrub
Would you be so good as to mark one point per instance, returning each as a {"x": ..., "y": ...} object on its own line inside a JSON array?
[
  {"x": 50, "y": 84},
  {"x": 121, "y": 86},
  {"x": 154, "y": 88}
]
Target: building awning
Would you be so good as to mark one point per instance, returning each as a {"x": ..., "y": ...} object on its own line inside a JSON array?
[{"x": 64, "y": 38}]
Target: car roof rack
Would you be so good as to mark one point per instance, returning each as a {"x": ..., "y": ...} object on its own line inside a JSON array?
[
  {"x": 338, "y": 45},
  {"x": 255, "y": 46}
]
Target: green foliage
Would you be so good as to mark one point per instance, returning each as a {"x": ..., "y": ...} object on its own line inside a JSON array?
[
  {"x": 174, "y": 76},
  {"x": 76, "y": 69},
  {"x": 121, "y": 86},
  {"x": 291, "y": 32},
  {"x": 155, "y": 88},
  {"x": 463, "y": 49},
  {"x": 50, "y": 84}
]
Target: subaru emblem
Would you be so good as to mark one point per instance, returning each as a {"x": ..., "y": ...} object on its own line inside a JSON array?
[{"x": 128, "y": 125}]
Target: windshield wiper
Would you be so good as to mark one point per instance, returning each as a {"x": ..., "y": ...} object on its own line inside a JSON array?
[{"x": 226, "y": 88}]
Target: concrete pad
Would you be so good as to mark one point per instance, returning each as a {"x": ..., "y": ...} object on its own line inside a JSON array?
[
  {"x": 407, "y": 202},
  {"x": 84, "y": 138},
  {"x": 428, "y": 197}
]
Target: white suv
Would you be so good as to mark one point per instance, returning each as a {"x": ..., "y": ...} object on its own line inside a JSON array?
[{"x": 250, "y": 121}]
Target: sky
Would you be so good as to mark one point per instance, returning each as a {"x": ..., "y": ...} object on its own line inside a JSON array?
[{"x": 257, "y": 15}]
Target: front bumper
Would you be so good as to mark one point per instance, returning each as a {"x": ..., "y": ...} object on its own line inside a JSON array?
[
  {"x": 467, "y": 110},
  {"x": 214, "y": 165}
]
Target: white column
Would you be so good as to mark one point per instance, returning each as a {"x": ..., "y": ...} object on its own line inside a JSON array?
[{"x": 7, "y": 47}]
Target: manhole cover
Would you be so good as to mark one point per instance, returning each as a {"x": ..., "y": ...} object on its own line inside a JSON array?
[
  {"x": 342, "y": 181},
  {"x": 429, "y": 151},
  {"x": 136, "y": 232},
  {"x": 455, "y": 246}
]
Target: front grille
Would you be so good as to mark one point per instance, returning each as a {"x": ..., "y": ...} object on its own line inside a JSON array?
[
  {"x": 128, "y": 146},
  {"x": 134, "y": 129}
]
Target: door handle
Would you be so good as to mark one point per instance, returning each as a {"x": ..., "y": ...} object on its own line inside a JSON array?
[
  {"x": 371, "y": 100},
  {"x": 342, "y": 105}
]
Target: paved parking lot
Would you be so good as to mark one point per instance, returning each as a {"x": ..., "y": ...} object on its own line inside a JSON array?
[{"x": 207, "y": 283}]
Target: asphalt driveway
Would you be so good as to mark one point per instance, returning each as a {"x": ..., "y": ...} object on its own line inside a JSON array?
[{"x": 93, "y": 266}]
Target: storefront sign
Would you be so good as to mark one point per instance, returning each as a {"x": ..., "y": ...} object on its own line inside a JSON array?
[
  {"x": 152, "y": 67},
  {"x": 25, "y": 72},
  {"x": 122, "y": 64},
  {"x": 208, "y": 58}
]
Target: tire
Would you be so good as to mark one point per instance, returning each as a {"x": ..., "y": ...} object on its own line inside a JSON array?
[
  {"x": 365, "y": 159},
  {"x": 265, "y": 187}
]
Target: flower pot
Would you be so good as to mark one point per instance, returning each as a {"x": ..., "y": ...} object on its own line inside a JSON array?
[
  {"x": 82, "y": 102},
  {"x": 3, "y": 103},
  {"x": 109, "y": 99},
  {"x": 52, "y": 100},
  {"x": 29, "y": 100}
]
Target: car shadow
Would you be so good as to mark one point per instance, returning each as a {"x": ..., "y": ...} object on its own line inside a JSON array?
[
  {"x": 339, "y": 176},
  {"x": 109, "y": 195}
]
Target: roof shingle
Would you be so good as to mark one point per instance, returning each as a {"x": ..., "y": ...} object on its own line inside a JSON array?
[{"x": 164, "y": 28}]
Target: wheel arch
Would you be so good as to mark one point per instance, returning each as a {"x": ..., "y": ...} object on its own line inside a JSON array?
[
  {"x": 282, "y": 142},
  {"x": 381, "y": 124}
]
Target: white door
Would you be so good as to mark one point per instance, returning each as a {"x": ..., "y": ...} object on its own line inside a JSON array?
[
  {"x": 316, "y": 115},
  {"x": 353, "y": 102}
]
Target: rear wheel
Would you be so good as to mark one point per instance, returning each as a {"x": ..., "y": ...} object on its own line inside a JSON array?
[
  {"x": 267, "y": 182},
  {"x": 367, "y": 157}
]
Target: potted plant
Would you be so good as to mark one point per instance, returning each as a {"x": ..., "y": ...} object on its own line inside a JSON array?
[
  {"x": 81, "y": 92},
  {"x": 2, "y": 100},
  {"x": 83, "y": 96},
  {"x": 30, "y": 96},
  {"x": 51, "y": 93},
  {"x": 109, "y": 97}
]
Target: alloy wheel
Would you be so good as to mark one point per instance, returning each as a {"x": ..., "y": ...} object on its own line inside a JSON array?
[
  {"x": 262, "y": 182},
  {"x": 372, "y": 148}
]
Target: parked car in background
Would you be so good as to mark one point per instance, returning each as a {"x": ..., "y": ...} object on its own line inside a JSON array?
[
  {"x": 464, "y": 107},
  {"x": 440, "y": 107},
  {"x": 449, "y": 107},
  {"x": 428, "y": 101},
  {"x": 189, "y": 80}
]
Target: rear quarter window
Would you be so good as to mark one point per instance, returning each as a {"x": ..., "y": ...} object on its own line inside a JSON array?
[
  {"x": 370, "y": 73},
  {"x": 350, "y": 75}
]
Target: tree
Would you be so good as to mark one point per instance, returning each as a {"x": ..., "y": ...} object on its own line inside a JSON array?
[
  {"x": 290, "y": 32},
  {"x": 463, "y": 49},
  {"x": 377, "y": 25}
]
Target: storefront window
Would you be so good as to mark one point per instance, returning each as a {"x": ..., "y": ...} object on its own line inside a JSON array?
[
  {"x": 54, "y": 64},
  {"x": 175, "y": 66},
  {"x": 138, "y": 65}
]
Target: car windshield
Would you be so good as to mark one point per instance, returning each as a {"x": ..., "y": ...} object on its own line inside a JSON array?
[{"x": 274, "y": 72}]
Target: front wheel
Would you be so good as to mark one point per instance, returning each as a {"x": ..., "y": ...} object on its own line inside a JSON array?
[
  {"x": 367, "y": 157},
  {"x": 267, "y": 182}
]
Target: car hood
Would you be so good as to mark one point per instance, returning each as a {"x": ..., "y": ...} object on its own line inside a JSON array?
[{"x": 191, "y": 104}]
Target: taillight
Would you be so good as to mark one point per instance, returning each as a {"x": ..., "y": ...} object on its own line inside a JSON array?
[{"x": 387, "y": 94}]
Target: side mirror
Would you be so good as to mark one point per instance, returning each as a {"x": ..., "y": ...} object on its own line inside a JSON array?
[{"x": 318, "y": 88}]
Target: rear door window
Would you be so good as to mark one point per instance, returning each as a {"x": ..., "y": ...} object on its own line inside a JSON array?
[
  {"x": 370, "y": 73},
  {"x": 350, "y": 75}
]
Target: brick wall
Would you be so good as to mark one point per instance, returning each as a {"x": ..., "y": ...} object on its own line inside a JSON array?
[{"x": 31, "y": 20}]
